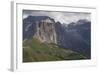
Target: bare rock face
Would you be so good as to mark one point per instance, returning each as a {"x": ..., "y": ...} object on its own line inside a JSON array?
[{"x": 45, "y": 31}]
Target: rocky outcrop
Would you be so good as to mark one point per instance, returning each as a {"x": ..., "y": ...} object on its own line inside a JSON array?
[
  {"x": 45, "y": 31},
  {"x": 40, "y": 27}
]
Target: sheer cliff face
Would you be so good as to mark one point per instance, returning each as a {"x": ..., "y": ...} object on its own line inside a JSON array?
[
  {"x": 41, "y": 28},
  {"x": 45, "y": 31}
]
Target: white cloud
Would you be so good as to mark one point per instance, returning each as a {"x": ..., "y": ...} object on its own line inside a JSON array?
[{"x": 63, "y": 17}]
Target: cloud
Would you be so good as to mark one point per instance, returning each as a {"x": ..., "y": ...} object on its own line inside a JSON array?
[{"x": 63, "y": 17}]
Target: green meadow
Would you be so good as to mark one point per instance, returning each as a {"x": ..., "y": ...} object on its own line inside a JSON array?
[{"x": 35, "y": 51}]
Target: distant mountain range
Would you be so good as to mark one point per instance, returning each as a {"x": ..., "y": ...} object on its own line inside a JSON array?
[{"x": 76, "y": 35}]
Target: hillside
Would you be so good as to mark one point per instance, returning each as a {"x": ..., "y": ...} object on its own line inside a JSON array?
[
  {"x": 76, "y": 36},
  {"x": 34, "y": 50}
]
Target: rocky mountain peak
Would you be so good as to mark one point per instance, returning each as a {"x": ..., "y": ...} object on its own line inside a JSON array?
[
  {"x": 40, "y": 27},
  {"x": 45, "y": 31}
]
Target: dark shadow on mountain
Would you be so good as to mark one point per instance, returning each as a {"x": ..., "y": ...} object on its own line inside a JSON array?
[{"x": 75, "y": 36}]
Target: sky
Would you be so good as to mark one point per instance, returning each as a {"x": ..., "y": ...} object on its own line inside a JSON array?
[{"x": 63, "y": 17}]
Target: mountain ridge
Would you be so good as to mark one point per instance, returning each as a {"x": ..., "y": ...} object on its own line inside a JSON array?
[{"x": 75, "y": 35}]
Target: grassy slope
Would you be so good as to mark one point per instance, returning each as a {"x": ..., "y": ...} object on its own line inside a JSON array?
[{"x": 33, "y": 51}]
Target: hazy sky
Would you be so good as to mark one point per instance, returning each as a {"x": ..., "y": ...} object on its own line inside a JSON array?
[{"x": 63, "y": 17}]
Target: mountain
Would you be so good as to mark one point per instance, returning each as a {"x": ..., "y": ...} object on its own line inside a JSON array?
[
  {"x": 41, "y": 27},
  {"x": 76, "y": 36},
  {"x": 42, "y": 32}
]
